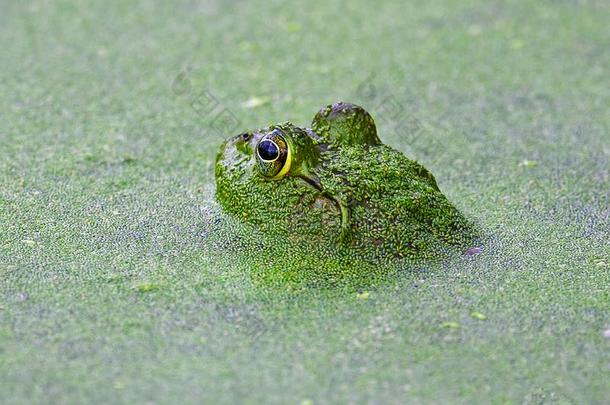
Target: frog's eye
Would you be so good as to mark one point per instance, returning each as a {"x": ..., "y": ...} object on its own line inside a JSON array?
[{"x": 273, "y": 155}]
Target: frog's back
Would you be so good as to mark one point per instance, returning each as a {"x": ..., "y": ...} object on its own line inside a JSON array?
[{"x": 396, "y": 204}]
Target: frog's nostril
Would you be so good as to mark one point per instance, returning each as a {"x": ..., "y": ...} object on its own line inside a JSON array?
[{"x": 245, "y": 137}]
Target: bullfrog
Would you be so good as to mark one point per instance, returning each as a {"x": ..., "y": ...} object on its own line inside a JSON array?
[{"x": 335, "y": 185}]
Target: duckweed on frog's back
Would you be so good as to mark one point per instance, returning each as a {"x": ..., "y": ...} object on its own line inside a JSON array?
[{"x": 336, "y": 186}]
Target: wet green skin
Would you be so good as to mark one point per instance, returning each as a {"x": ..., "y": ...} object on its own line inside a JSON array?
[{"x": 344, "y": 190}]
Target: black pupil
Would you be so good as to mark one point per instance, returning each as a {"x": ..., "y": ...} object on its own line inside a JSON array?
[{"x": 268, "y": 150}]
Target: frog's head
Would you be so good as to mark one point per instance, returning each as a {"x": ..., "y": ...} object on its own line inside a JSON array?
[
  {"x": 270, "y": 176},
  {"x": 267, "y": 177}
]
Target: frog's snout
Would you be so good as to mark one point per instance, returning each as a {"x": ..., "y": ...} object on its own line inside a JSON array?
[
  {"x": 236, "y": 150},
  {"x": 239, "y": 143}
]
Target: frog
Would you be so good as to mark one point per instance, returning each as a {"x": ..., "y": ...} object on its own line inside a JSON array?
[{"x": 335, "y": 186}]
